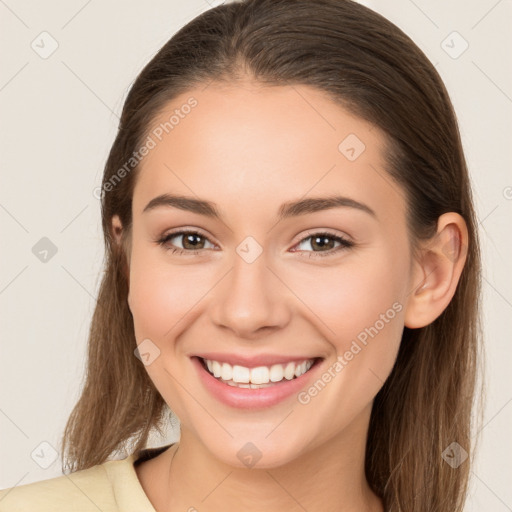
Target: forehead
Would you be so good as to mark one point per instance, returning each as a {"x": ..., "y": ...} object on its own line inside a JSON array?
[{"x": 252, "y": 145}]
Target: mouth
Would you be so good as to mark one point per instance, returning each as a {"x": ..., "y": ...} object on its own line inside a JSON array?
[
  {"x": 256, "y": 383},
  {"x": 256, "y": 377}
]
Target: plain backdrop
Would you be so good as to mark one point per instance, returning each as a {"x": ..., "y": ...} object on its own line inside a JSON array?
[{"x": 59, "y": 115}]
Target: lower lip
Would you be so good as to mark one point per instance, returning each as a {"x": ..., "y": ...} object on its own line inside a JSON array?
[{"x": 247, "y": 398}]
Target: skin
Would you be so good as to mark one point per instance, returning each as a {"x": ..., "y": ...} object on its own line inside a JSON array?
[{"x": 250, "y": 148}]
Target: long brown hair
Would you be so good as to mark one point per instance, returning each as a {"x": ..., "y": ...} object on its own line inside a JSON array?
[{"x": 370, "y": 67}]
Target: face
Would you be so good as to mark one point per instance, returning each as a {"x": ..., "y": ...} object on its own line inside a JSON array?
[{"x": 324, "y": 283}]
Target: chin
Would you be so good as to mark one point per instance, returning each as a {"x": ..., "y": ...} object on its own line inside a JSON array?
[{"x": 255, "y": 451}]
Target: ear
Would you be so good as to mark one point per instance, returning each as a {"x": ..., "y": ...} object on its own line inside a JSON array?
[
  {"x": 117, "y": 234},
  {"x": 117, "y": 229},
  {"x": 436, "y": 274}
]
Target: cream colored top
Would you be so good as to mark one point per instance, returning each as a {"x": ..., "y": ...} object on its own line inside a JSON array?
[{"x": 109, "y": 487}]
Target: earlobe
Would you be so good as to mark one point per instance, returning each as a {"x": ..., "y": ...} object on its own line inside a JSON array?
[{"x": 438, "y": 272}]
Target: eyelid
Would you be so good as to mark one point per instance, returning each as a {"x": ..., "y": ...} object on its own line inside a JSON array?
[
  {"x": 318, "y": 231},
  {"x": 184, "y": 231}
]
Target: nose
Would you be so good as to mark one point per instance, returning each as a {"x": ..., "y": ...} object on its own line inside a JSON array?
[{"x": 251, "y": 300}]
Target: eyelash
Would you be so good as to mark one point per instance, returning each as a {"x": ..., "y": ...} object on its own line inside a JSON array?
[{"x": 345, "y": 244}]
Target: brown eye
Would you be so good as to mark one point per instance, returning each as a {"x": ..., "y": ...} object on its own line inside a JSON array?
[
  {"x": 191, "y": 242},
  {"x": 323, "y": 244}
]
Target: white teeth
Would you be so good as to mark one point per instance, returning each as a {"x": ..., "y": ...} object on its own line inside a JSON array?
[
  {"x": 241, "y": 374},
  {"x": 299, "y": 369},
  {"x": 216, "y": 368},
  {"x": 276, "y": 373},
  {"x": 289, "y": 371},
  {"x": 261, "y": 376},
  {"x": 227, "y": 371}
]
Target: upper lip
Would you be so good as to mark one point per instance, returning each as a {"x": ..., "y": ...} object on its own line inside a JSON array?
[{"x": 253, "y": 361}]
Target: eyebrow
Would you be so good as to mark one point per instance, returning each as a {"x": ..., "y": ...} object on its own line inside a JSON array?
[{"x": 287, "y": 210}]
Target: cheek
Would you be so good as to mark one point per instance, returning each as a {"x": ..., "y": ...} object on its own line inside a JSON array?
[
  {"x": 162, "y": 298},
  {"x": 354, "y": 295},
  {"x": 370, "y": 310},
  {"x": 370, "y": 324},
  {"x": 358, "y": 304},
  {"x": 152, "y": 303},
  {"x": 360, "y": 314},
  {"x": 160, "y": 294}
]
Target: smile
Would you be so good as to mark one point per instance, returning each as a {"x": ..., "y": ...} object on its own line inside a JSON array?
[
  {"x": 256, "y": 382},
  {"x": 258, "y": 377}
]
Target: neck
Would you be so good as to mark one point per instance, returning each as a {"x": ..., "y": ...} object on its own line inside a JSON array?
[{"x": 328, "y": 477}]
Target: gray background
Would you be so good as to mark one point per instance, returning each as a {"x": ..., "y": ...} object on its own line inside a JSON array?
[{"x": 59, "y": 115}]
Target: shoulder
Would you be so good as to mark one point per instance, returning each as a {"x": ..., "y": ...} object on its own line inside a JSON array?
[{"x": 85, "y": 490}]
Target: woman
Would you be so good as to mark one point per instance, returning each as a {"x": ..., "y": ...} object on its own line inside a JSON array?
[{"x": 292, "y": 268}]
